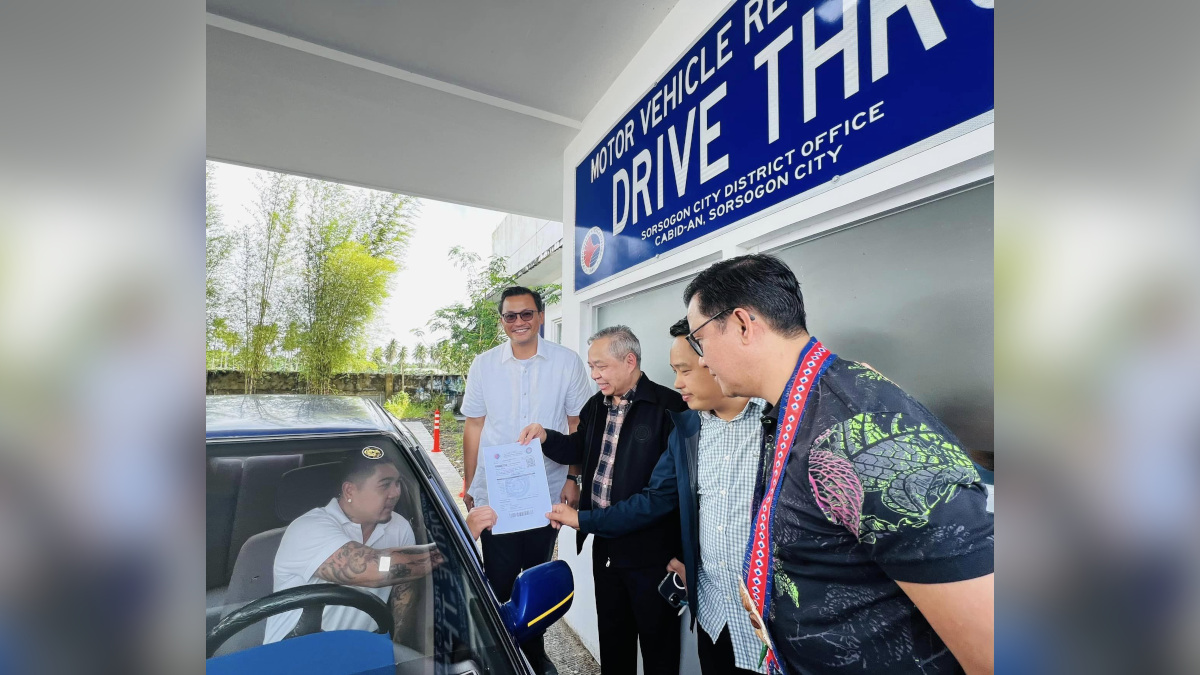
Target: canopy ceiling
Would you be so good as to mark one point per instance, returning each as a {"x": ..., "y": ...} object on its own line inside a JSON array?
[{"x": 471, "y": 102}]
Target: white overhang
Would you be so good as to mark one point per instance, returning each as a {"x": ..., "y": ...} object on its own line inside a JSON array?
[{"x": 470, "y": 102}]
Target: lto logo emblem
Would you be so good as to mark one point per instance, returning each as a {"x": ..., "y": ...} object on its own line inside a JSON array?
[{"x": 591, "y": 250}]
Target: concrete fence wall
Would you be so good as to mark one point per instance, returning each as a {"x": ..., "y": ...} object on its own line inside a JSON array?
[{"x": 375, "y": 385}]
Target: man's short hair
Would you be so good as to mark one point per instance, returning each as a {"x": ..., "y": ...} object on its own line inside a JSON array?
[
  {"x": 358, "y": 466},
  {"x": 514, "y": 291},
  {"x": 680, "y": 328},
  {"x": 622, "y": 341},
  {"x": 760, "y": 283}
]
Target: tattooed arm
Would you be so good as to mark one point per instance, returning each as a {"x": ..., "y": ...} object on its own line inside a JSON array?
[
  {"x": 357, "y": 565},
  {"x": 400, "y": 602}
]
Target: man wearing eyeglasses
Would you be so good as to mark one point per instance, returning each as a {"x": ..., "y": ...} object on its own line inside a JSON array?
[
  {"x": 527, "y": 380},
  {"x": 871, "y": 547},
  {"x": 708, "y": 475}
]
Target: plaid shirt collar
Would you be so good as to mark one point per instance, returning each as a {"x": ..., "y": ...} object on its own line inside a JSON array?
[
  {"x": 626, "y": 398},
  {"x": 753, "y": 407},
  {"x": 615, "y": 419}
]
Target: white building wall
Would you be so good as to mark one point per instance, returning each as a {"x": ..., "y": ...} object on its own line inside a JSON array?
[
  {"x": 944, "y": 167},
  {"x": 522, "y": 240}
]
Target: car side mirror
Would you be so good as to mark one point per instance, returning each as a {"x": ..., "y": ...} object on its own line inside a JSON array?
[{"x": 540, "y": 596}]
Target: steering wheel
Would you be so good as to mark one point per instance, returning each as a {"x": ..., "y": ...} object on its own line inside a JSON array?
[{"x": 298, "y": 598}]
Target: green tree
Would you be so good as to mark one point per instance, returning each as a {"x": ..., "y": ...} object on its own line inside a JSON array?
[
  {"x": 419, "y": 354},
  {"x": 439, "y": 356},
  {"x": 259, "y": 251},
  {"x": 352, "y": 243},
  {"x": 389, "y": 354},
  {"x": 402, "y": 364},
  {"x": 216, "y": 251},
  {"x": 421, "y": 351},
  {"x": 473, "y": 327},
  {"x": 225, "y": 342}
]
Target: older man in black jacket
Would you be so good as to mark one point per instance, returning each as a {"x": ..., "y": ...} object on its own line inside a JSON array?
[
  {"x": 623, "y": 430},
  {"x": 707, "y": 476}
]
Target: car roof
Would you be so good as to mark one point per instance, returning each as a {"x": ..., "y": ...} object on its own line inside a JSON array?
[{"x": 290, "y": 415}]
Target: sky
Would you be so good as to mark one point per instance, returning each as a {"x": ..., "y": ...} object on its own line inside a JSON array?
[{"x": 427, "y": 282}]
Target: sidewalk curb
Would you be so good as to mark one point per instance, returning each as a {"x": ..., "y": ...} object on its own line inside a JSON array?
[{"x": 453, "y": 481}]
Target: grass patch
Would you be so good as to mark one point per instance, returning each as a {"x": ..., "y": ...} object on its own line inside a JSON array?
[
  {"x": 451, "y": 432},
  {"x": 399, "y": 405}
]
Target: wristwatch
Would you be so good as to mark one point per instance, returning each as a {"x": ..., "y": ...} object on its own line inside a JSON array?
[{"x": 578, "y": 479}]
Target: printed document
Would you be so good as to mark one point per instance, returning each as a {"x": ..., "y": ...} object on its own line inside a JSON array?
[{"x": 516, "y": 485}]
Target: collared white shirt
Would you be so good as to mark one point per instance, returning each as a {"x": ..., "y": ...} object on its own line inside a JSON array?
[
  {"x": 307, "y": 543},
  {"x": 727, "y": 460},
  {"x": 512, "y": 394}
]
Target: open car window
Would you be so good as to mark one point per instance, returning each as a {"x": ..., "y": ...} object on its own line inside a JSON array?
[{"x": 449, "y": 623}]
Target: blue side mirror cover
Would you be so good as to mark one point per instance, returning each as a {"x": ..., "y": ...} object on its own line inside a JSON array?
[{"x": 540, "y": 596}]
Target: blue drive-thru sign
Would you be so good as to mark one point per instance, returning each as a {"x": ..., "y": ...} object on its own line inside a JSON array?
[{"x": 777, "y": 98}]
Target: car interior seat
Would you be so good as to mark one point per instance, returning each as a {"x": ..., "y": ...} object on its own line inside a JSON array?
[
  {"x": 239, "y": 503},
  {"x": 222, "y": 481},
  {"x": 299, "y": 490},
  {"x": 256, "y": 508}
]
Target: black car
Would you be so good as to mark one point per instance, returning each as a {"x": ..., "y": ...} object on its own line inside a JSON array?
[{"x": 271, "y": 459}]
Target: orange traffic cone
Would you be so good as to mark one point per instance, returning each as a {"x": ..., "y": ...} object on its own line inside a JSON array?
[{"x": 437, "y": 431}]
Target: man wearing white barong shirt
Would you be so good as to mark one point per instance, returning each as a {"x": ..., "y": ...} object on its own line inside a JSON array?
[{"x": 523, "y": 381}]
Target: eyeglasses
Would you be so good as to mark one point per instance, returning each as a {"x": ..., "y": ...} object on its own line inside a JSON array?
[
  {"x": 526, "y": 315},
  {"x": 691, "y": 337}
]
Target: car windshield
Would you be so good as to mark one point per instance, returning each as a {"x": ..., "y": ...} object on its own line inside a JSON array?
[{"x": 286, "y": 523}]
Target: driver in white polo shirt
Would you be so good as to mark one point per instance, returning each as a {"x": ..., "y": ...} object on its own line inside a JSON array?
[{"x": 355, "y": 540}]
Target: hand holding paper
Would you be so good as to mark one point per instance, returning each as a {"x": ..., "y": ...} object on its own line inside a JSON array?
[
  {"x": 516, "y": 483},
  {"x": 563, "y": 514},
  {"x": 479, "y": 519},
  {"x": 533, "y": 432}
]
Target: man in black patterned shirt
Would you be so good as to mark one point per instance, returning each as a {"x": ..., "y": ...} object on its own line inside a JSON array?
[{"x": 871, "y": 547}]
